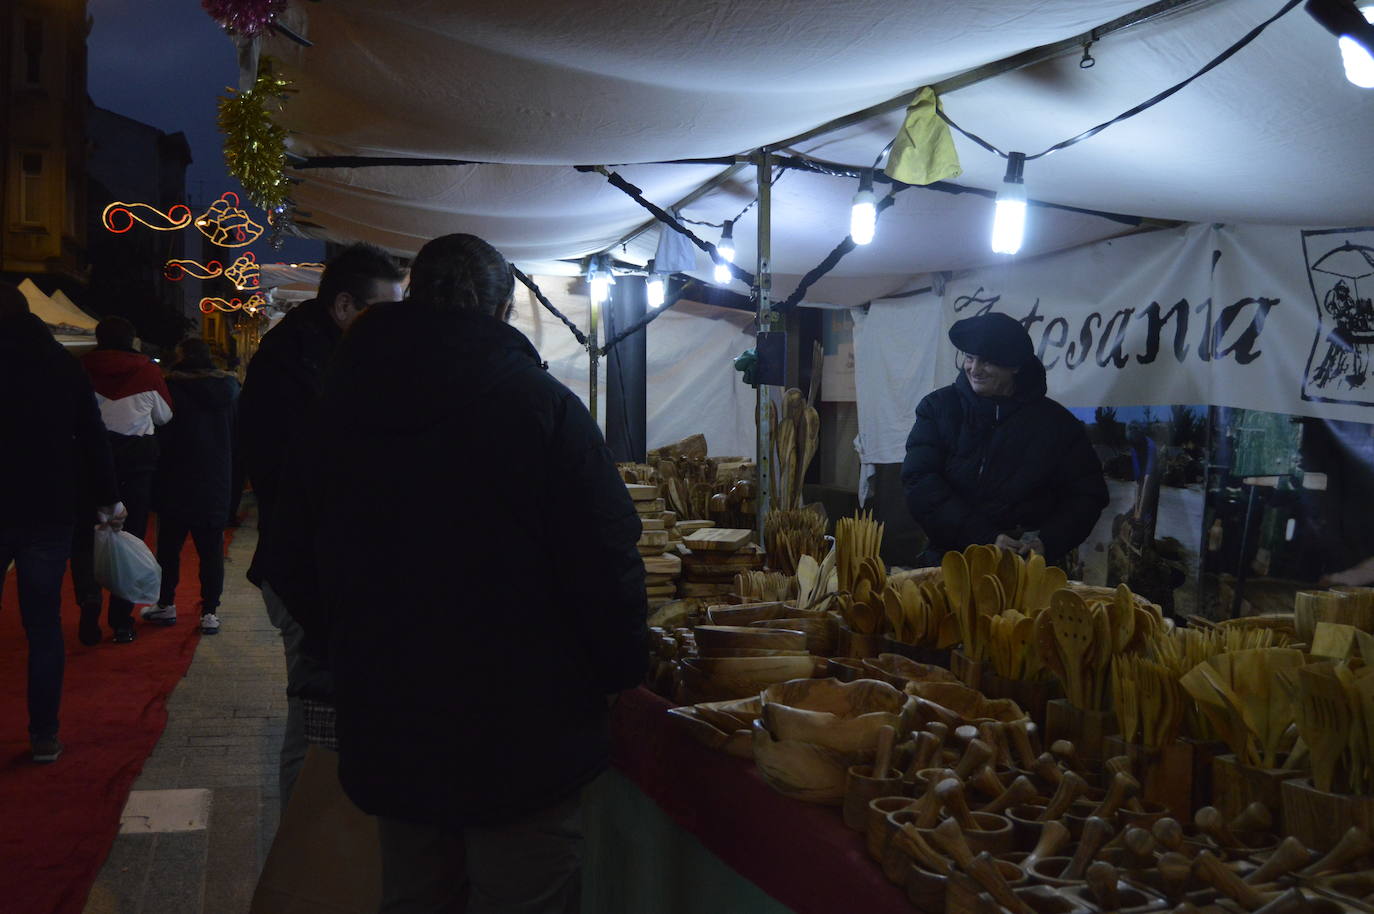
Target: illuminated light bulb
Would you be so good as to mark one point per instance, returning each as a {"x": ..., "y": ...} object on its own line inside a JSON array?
[
  {"x": 863, "y": 212},
  {"x": 725, "y": 253},
  {"x": 599, "y": 281},
  {"x": 1009, "y": 221},
  {"x": 655, "y": 287},
  {"x": 1359, "y": 63},
  {"x": 1353, "y": 25}
]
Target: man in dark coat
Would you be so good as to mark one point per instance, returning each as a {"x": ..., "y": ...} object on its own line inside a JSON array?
[
  {"x": 458, "y": 536},
  {"x": 55, "y": 469},
  {"x": 279, "y": 392},
  {"x": 992, "y": 459},
  {"x": 192, "y": 491}
]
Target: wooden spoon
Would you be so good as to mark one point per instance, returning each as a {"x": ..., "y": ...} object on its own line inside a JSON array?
[
  {"x": 951, "y": 794},
  {"x": 1046, "y": 647},
  {"x": 1102, "y": 878},
  {"x": 1074, "y": 633},
  {"x": 1288, "y": 856},
  {"x": 1054, "y": 835},
  {"x": 1071, "y": 786},
  {"x": 954, "y": 569},
  {"x": 1096, "y": 831}
]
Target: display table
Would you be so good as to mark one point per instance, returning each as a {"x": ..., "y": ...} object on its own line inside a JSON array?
[{"x": 767, "y": 852}]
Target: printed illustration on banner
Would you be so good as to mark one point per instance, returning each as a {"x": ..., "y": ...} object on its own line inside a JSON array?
[{"x": 1340, "y": 271}]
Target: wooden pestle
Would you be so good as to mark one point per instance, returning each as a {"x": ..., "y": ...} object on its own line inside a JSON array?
[
  {"x": 1101, "y": 878},
  {"x": 1168, "y": 833},
  {"x": 1288, "y": 856},
  {"x": 976, "y": 755},
  {"x": 1048, "y": 770},
  {"x": 941, "y": 733},
  {"x": 1066, "y": 754},
  {"x": 1123, "y": 763},
  {"x": 1053, "y": 837},
  {"x": 883, "y": 760},
  {"x": 1174, "y": 870},
  {"x": 1353, "y": 845},
  {"x": 950, "y": 837},
  {"x": 1096, "y": 831},
  {"x": 965, "y": 734},
  {"x": 928, "y": 806},
  {"x": 983, "y": 869},
  {"x": 926, "y": 747},
  {"x": 1208, "y": 819},
  {"x": 1070, "y": 787},
  {"x": 1140, "y": 848},
  {"x": 1292, "y": 901},
  {"x": 1210, "y": 869},
  {"x": 1255, "y": 817},
  {"x": 993, "y": 732},
  {"x": 1019, "y": 733},
  {"x": 1186, "y": 907},
  {"x": 1123, "y": 786},
  {"x": 1019, "y": 791},
  {"x": 915, "y": 845},
  {"x": 951, "y": 794},
  {"x": 986, "y": 782}
]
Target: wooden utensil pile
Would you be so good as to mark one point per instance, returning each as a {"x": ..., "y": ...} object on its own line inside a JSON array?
[
  {"x": 1149, "y": 701},
  {"x": 918, "y": 613},
  {"x": 1334, "y": 712},
  {"x": 789, "y": 534},
  {"x": 861, "y": 573},
  {"x": 817, "y": 582},
  {"x": 1181, "y": 650},
  {"x": 1077, "y": 640},
  {"x": 765, "y": 586},
  {"x": 795, "y": 436},
  {"x": 980, "y": 584}
]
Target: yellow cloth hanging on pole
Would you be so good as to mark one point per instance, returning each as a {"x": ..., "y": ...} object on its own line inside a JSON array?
[{"x": 923, "y": 151}]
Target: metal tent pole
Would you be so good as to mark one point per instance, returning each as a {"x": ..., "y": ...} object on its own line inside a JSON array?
[
  {"x": 593, "y": 357},
  {"x": 763, "y": 278}
]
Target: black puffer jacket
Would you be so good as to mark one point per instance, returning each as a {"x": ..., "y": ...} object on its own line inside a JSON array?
[
  {"x": 194, "y": 469},
  {"x": 979, "y": 466},
  {"x": 453, "y": 525}
]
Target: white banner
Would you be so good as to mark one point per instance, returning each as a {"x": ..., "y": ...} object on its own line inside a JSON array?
[{"x": 1256, "y": 317}]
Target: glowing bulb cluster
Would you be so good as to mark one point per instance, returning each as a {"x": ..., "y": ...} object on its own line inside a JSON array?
[
  {"x": 655, "y": 287},
  {"x": 1357, "y": 58},
  {"x": 863, "y": 212},
  {"x": 1009, "y": 221},
  {"x": 725, "y": 253}
]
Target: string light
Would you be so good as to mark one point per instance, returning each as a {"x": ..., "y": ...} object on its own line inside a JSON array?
[
  {"x": 119, "y": 214},
  {"x": 725, "y": 252},
  {"x": 176, "y": 269},
  {"x": 599, "y": 281},
  {"x": 1353, "y": 25},
  {"x": 244, "y": 272},
  {"x": 227, "y": 225},
  {"x": 655, "y": 287},
  {"x": 255, "y": 303},
  {"x": 1009, "y": 221},
  {"x": 863, "y": 212}
]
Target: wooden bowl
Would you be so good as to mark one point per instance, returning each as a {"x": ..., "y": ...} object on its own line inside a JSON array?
[
  {"x": 821, "y": 631},
  {"x": 711, "y": 638},
  {"x": 736, "y": 742},
  {"x": 897, "y": 670},
  {"x": 737, "y": 714},
  {"x": 845, "y": 669},
  {"x": 1046, "y": 871},
  {"x": 801, "y": 770},
  {"x": 745, "y": 613},
  {"x": 750, "y": 652},
  {"x": 740, "y": 677},
  {"x": 967, "y": 704},
  {"x": 844, "y": 716}
]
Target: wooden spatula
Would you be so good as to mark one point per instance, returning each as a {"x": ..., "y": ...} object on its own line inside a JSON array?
[{"x": 1073, "y": 633}]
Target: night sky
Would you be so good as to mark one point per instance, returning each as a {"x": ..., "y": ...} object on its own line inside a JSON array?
[{"x": 165, "y": 62}]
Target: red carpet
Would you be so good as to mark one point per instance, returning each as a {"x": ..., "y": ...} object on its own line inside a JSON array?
[{"x": 58, "y": 821}]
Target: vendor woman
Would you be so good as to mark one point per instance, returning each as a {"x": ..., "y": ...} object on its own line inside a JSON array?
[{"x": 991, "y": 459}]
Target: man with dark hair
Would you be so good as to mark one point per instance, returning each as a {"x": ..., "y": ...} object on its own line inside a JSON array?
[
  {"x": 54, "y": 471},
  {"x": 133, "y": 401},
  {"x": 281, "y": 387},
  {"x": 192, "y": 492}
]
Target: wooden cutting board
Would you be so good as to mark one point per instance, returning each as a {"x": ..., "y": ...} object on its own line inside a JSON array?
[
  {"x": 642, "y": 493},
  {"x": 717, "y": 539},
  {"x": 694, "y": 589},
  {"x": 651, "y": 523},
  {"x": 663, "y": 564},
  {"x": 661, "y": 590},
  {"x": 686, "y": 527},
  {"x": 654, "y": 580},
  {"x": 655, "y": 506},
  {"x": 654, "y": 538}
]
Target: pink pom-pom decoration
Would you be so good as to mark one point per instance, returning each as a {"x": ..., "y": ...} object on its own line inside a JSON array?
[{"x": 244, "y": 17}]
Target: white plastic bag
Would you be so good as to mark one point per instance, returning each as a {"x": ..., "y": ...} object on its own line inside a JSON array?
[{"x": 126, "y": 567}]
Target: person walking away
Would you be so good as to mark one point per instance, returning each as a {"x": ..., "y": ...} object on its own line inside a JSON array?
[
  {"x": 133, "y": 401},
  {"x": 279, "y": 391},
  {"x": 434, "y": 514},
  {"x": 193, "y": 489},
  {"x": 56, "y": 453}
]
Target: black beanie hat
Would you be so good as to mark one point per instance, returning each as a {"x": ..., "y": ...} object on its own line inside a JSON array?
[{"x": 997, "y": 337}]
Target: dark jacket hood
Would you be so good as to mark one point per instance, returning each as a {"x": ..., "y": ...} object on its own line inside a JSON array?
[
  {"x": 210, "y": 388},
  {"x": 406, "y": 366},
  {"x": 25, "y": 333}
]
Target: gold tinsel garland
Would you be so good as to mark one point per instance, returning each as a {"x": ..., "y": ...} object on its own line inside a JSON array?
[{"x": 254, "y": 143}]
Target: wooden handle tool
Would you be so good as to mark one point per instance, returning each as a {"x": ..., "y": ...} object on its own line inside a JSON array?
[
  {"x": 983, "y": 868},
  {"x": 941, "y": 733},
  {"x": 1292, "y": 901},
  {"x": 951, "y": 794},
  {"x": 1053, "y": 837},
  {"x": 1168, "y": 833},
  {"x": 1353, "y": 845},
  {"x": 950, "y": 837},
  {"x": 1255, "y": 817},
  {"x": 926, "y": 747},
  {"x": 1123, "y": 763},
  {"x": 1209, "y": 868},
  {"x": 1122, "y": 788},
  {"x": 1185, "y": 907},
  {"x": 1020, "y": 791},
  {"x": 1048, "y": 770},
  {"x": 1064, "y": 751},
  {"x": 1288, "y": 856},
  {"x": 1019, "y": 732},
  {"x": 1102, "y": 878},
  {"x": 928, "y": 806},
  {"x": 914, "y": 844},
  {"x": 1096, "y": 831},
  {"x": 1070, "y": 787},
  {"x": 1140, "y": 849},
  {"x": 986, "y": 782},
  {"x": 975, "y": 756},
  {"x": 965, "y": 734},
  {"x": 883, "y": 760},
  {"x": 1174, "y": 871},
  {"x": 993, "y": 732},
  {"x": 1208, "y": 819}
]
